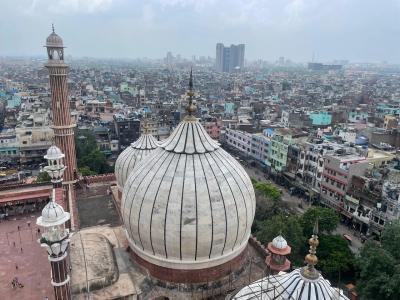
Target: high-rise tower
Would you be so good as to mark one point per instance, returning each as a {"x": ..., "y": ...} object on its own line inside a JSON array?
[
  {"x": 61, "y": 115},
  {"x": 229, "y": 59}
]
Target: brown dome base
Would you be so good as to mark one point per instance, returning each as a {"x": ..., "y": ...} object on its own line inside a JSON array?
[{"x": 191, "y": 276}]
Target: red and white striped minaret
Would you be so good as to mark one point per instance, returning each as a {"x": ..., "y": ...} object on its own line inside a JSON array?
[{"x": 62, "y": 123}]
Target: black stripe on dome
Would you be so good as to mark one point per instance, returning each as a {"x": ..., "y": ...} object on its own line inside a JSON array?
[
  {"x": 127, "y": 194},
  {"x": 126, "y": 168},
  {"x": 324, "y": 288},
  {"x": 180, "y": 223},
  {"x": 170, "y": 139},
  {"x": 239, "y": 169},
  {"x": 197, "y": 217},
  {"x": 155, "y": 199},
  {"x": 144, "y": 196},
  {"x": 222, "y": 159},
  {"x": 223, "y": 202},
  {"x": 166, "y": 209},
  {"x": 234, "y": 200},
  {"x": 120, "y": 164},
  {"x": 211, "y": 210},
  {"x": 316, "y": 286}
]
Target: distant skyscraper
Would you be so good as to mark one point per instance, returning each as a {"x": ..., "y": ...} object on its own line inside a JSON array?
[
  {"x": 219, "y": 58},
  {"x": 229, "y": 59}
]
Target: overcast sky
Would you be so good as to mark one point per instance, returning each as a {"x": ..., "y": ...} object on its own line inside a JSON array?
[{"x": 357, "y": 30}]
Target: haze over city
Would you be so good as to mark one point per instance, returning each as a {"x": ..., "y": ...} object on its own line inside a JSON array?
[
  {"x": 358, "y": 31},
  {"x": 200, "y": 150}
]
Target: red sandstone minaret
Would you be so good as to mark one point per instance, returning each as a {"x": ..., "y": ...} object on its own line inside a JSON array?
[
  {"x": 277, "y": 260},
  {"x": 62, "y": 124}
]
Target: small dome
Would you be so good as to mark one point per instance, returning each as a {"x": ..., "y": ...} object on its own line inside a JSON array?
[
  {"x": 53, "y": 214},
  {"x": 190, "y": 205},
  {"x": 279, "y": 242},
  {"x": 291, "y": 285},
  {"x": 54, "y": 153},
  {"x": 131, "y": 156},
  {"x": 54, "y": 40}
]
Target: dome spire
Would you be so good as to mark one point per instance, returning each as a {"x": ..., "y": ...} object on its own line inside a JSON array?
[
  {"x": 52, "y": 27},
  {"x": 191, "y": 108},
  {"x": 309, "y": 271},
  {"x": 146, "y": 125}
]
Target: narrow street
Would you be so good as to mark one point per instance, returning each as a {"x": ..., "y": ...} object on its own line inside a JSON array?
[{"x": 298, "y": 205}]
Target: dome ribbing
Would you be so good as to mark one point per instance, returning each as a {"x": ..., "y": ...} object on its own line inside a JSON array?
[
  {"x": 132, "y": 156},
  {"x": 190, "y": 204}
]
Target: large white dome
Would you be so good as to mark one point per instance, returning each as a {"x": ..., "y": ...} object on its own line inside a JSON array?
[
  {"x": 190, "y": 205},
  {"x": 131, "y": 156}
]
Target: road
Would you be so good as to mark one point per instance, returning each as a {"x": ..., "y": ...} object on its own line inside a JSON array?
[{"x": 298, "y": 205}]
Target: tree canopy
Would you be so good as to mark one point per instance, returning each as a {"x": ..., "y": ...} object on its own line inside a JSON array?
[
  {"x": 379, "y": 264},
  {"x": 85, "y": 171},
  {"x": 289, "y": 226},
  {"x": 327, "y": 220},
  {"x": 91, "y": 161},
  {"x": 268, "y": 203},
  {"x": 391, "y": 239},
  {"x": 335, "y": 256},
  {"x": 43, "y": 177},
  {"x": 95, "y": 161},
  {"x": 379, "y": 276},
  {"x": 268, "y": 190}
]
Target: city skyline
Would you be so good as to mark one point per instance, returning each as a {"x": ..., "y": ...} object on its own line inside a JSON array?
[{"x": 295, "y": 29}]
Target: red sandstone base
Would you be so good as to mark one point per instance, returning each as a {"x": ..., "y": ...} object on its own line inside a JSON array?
[{"x": 191, "y": 276}]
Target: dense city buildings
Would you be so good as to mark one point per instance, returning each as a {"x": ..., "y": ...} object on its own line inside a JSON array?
[{"x": 172, "y": 167}]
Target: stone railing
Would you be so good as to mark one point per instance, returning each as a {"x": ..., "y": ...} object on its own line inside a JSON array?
[
  {"x": 14, "y": 186},
  {"x": 99, "y": 178},
  {"x": 258, "y": 246}
]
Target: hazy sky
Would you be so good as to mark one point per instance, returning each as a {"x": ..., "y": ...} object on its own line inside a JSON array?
[{"x": 357, "y": 30}]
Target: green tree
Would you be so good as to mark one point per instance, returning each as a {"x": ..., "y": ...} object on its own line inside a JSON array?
[
  {"x": 327, "y": 220},
  {"x": 85, "y": 142},
  {"x": 268, "y": 190},
  {"x": 43, "y": 177},
  {"x": 268, "y": 203},
  {"x": 334, "y": 256},
  {"x": 391, "y": 239},
  {"x": 96, "y": 162},
  {"x": 289, "y": 226},
  {"x": 379, "y": 276},
  {"x": 85, "y": 171},
  {"x": 91, "y": 161}
]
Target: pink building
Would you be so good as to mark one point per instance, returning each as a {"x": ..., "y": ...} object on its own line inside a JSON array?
[
  {"x": 213, "y": 128},
  {"x": 337, "y": 175}
]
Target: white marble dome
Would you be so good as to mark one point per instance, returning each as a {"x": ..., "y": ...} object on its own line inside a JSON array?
[
  {"x": 190, "y": 205},
  {"x": 279, "y": 242},
  {"x": 54, "y": 40},
  {"x": 54, "y": 153},
  {"x": 53, "y": 214},
  {"x": 131, "y": 156}
]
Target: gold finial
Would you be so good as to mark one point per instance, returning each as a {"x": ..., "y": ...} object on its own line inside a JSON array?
[
  {"x": 146, "y": 124},
  {"x": 191, "y": 108},
  {"x": 309, "y": 271}
]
